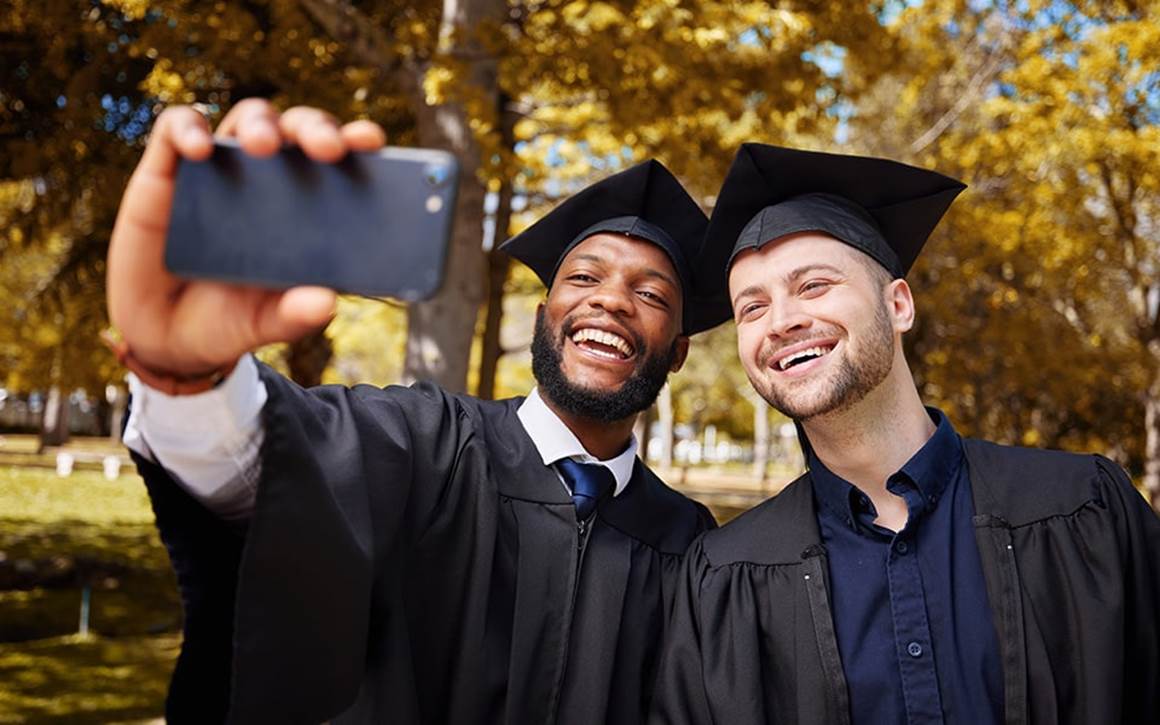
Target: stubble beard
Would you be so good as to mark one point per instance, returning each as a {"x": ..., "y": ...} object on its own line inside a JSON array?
[
  {"x": 635, "y": 394},
  {"x": 848, "y": 385}
]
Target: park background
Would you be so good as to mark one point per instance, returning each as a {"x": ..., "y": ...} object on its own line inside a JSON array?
[{"x": 1038, "y": 295}]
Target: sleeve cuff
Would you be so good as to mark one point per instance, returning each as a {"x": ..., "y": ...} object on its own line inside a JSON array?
[{"x": 229, "y": 409}]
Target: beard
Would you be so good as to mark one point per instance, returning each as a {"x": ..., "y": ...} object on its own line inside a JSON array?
[
  {"x": 606, "y": 406},
  {"x": 853, "y": 380}
]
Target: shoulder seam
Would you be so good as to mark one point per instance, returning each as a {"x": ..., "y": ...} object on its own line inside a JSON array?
[
  {"x": 641, "y": 541},
  {"x": 769, "y": 565}
]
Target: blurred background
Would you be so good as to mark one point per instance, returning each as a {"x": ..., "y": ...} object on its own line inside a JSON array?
[{"x": 1038, "y": 296}]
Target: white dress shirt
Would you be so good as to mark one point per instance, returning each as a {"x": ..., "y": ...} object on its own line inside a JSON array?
[
  {"x": 211, "y": 442},
  {"x": 555, "y": 441}
]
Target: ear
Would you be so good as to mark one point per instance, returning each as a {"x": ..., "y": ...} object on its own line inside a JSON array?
[
  {"x": 682, "y": 352},
  {"x": 900, "y": 305}
]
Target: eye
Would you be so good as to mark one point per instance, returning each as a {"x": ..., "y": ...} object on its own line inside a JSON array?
[
  {"x": 581, "y": 277},
  {"x": 814, "y": 287},
  {"x": 653, "y": 297},
  {"x": 749, "y": 310}
]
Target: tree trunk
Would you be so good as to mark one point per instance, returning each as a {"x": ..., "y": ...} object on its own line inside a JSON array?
[
  {"x": 440, "y": 330},
  {"x": 498, "y": 265},
  {"x": 665, "y": 417},
  {"x": 498, "y": 268},
  {"x": 307, "y": 358},
  {"x": 117, "y": 409},
  {"x": 54, "y": 428},
  {"x": 1152, "y": 443},
  {"x": 760, "y": 438},
  {"x": 104, "y": 416},
  {"x": 641, "y": 430}
]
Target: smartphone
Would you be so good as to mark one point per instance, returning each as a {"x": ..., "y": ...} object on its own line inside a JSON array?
[{"x": 375, "y": 223}]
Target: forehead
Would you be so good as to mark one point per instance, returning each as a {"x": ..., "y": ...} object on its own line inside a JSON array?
[
  {"x": 622, "y": 252},
  {"x": 782, "y": 256}
]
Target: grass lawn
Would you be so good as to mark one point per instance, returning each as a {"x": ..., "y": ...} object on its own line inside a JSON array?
[
  {"x": 58, "y": 535},
  {"x": 94, "y": 680}
]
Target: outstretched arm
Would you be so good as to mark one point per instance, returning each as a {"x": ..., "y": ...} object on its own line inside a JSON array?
[{"x": 188, "y": 329}]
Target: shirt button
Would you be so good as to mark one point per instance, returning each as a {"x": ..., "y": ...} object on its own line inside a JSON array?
[
  {"x": 914, "y": 649},
  {"x": 901, "y": 547}
]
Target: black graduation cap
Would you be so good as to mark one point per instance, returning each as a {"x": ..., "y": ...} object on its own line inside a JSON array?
[
  {"x": 883, "y": 208},
  {"x": 646, "y": 202}
]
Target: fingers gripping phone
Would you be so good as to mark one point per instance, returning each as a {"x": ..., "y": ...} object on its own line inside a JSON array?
[{"x": 375, "y": 223}]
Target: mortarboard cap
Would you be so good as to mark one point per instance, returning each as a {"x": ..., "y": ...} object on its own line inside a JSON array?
[
  {"x": 883, "y": 208},
  {"x": 645, "y": 202}
]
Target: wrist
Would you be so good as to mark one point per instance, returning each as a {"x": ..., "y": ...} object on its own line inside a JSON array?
[{"x": 166, "y": 381}]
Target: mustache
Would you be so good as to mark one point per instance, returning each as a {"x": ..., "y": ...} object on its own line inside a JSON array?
[{"x": 770, "y": 350}]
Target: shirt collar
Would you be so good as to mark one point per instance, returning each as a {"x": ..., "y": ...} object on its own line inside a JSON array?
[
  {"x": 554, "y": 440},
  {"x": 930, "y": 470}
]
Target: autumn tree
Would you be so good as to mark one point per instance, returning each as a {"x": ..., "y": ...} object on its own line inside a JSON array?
[
  {"x": 80, "y": 83},
  {"x": 1038, "y": 295},
  {"x": 547, "y": 95},
  {"x": 523, "y": 92}
]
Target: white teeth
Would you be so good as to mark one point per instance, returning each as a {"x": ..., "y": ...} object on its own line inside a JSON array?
[
  {"x": 604, "y": 338},
  {"x": 788, "y": 360}
]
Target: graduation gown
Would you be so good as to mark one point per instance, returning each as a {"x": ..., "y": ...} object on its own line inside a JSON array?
[
  {"x": 412, "y": 560},
  {"x": 1071, "y": 558}
]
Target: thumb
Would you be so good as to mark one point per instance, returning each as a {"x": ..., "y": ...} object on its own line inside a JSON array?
[{"x": 295, "y": 313}]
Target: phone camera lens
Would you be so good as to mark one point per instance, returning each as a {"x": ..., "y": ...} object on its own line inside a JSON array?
[{"x": 435, "y": 175}]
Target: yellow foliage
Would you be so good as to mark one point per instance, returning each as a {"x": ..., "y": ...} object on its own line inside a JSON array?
[
  {"x": 596, "y": 17},
  {"x": 133, "y": 9},
  {"x": 1030, "y": 289},
  {"x": 166, "y": 85},
  {"x": 369, "y": 337}
]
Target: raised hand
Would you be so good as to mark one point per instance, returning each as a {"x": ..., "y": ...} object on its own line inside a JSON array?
[{"x": 187, "y": 328}]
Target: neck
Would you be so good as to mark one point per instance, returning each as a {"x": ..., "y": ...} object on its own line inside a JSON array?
[
  {"x": 872, "y": 439},
  {"x": 601, "y": 439}
]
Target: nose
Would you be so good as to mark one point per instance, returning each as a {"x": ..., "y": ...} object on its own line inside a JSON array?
[
  {"x": 612, "y": 297},
  {"x": 786, "y": 318}
]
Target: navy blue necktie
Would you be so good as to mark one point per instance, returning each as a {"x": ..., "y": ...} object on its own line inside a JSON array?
[{"x": 589, "y": 483}]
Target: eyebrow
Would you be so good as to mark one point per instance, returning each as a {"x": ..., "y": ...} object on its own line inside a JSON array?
[
  {"x": 806, "y": 268},
  {"x": 752, "y": 290},
  {"x": 591, "y": 257},
  {"x": 649, "y": 272},
  {"x": 755, "y": 290}
]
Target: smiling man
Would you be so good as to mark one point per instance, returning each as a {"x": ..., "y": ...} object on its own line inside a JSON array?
[
  {"x": 410, "y": 555},
  {"x": 910, "y": 576}
]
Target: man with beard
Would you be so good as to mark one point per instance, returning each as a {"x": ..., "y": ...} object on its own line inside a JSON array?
[
  {"x": 410, "y": 555},
  {"x": 910, "y": 576}
]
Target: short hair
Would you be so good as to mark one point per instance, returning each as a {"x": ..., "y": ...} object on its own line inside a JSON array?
[{"x": 878, "y": 274}]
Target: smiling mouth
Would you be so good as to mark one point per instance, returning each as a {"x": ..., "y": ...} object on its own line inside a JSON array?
[
  {"x": 605, "y": 344},
  {"x": 803, "y": 356}
]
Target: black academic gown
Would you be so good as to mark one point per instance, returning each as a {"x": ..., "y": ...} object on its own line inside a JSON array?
[
  {"x": 411, "y": 560},
  {"x": 1071, "y": 557}
]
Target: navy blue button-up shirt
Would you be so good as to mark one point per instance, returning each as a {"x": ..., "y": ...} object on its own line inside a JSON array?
[{"x": 913, "y": 622}]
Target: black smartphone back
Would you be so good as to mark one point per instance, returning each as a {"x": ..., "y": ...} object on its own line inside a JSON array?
[{"x": 375, "y": 223}]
